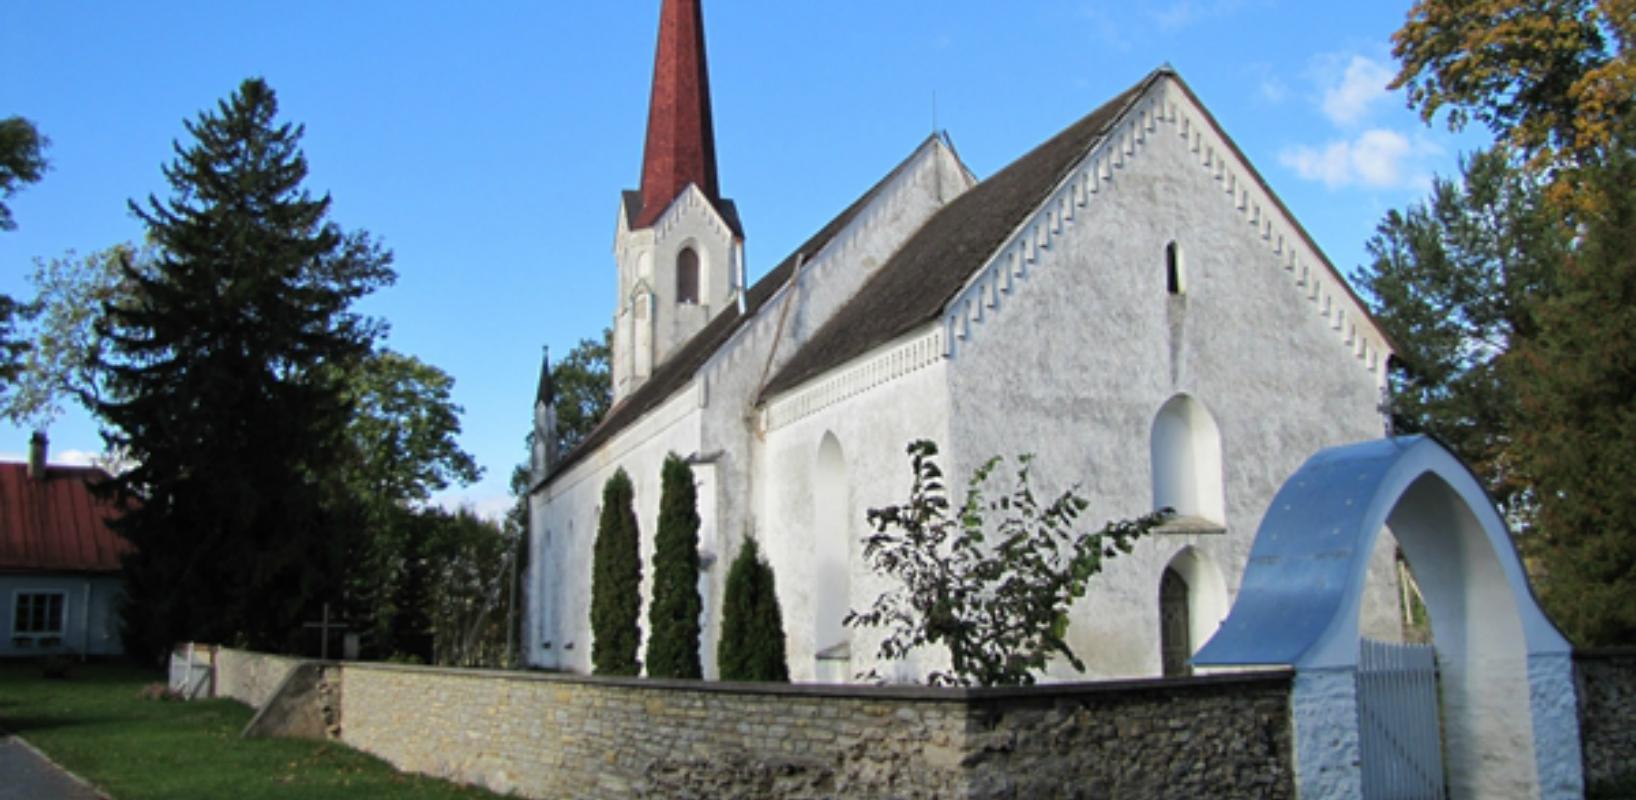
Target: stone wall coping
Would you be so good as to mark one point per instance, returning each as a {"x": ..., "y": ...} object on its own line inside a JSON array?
[
  {"x": 854, "y": 691},
  {"x": 1604, "y": 653}
]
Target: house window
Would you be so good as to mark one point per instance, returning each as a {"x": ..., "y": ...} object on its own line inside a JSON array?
[
  {"x": 1174, "y": 279},
  {"x": 687, "y": 276},
  {"x": 38, "y": 618}
]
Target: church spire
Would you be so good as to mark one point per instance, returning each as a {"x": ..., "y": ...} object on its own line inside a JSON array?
[{"x": 681, "y": 146}]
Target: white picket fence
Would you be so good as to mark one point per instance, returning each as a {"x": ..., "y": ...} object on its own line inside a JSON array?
[{"x": 1397, "y": 721}]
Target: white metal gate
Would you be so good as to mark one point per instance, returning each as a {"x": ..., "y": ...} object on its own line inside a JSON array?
[{"x": 1397, "y": 721}]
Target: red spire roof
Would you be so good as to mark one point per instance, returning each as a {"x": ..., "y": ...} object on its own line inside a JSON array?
[{"x": 681, "y": 146}]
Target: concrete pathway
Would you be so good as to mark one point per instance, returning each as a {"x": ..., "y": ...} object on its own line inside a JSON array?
[{"x": 26, "y": 774}]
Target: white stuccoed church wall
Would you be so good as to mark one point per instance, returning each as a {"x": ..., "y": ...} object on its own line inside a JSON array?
[
  {"x": 1074, "y": 364},
  {"x": 873, "y": 429},
  {"x": 714, "y": 419}
]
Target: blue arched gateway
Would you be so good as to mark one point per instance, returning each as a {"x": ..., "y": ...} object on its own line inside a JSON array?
[{"x": 1504, "y": 671}]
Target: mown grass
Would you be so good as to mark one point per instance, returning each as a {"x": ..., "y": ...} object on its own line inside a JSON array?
[{"x": 97, "y": 724}]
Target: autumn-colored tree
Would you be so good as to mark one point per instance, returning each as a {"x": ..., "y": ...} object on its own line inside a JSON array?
[{"x": 1553, "y": 78}]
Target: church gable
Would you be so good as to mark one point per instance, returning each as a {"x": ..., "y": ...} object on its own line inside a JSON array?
[{"x": 963, "y": 262}]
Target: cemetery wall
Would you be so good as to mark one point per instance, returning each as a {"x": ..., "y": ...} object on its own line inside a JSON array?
[
  {"x": 552, "y": 735},
  {"x": 1606, "y": 685}
]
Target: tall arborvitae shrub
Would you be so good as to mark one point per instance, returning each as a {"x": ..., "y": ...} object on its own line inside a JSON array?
[
  {"x": 673, "y": 618},
  {"x": 752, "y": 627},
  {"x": 616, "y": 582}
]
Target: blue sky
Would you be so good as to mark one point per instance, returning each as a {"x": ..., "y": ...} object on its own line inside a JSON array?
[{"x": 486, "y": 143}]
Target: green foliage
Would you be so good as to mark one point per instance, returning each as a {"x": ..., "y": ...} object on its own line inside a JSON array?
[
  {"x": 752, "y": 626},
  {"x": 22, "y": 162},
  {"x": 584, "y": 391},
  {"x": 66, "y": 362},
  {"x": 1454, "y": 282},
  {"x": 226, "y": 389},
  {"x": 673, "y": 617},
  {"x": 996, "y": 593},
  {"x": 616, "y": 582},
  {"x": 1576, "y": 384}
]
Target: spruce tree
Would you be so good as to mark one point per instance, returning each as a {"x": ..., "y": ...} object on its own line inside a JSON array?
[
  {"x": 752, "y": 627},
  {"x": 673, "y": 618},
  {"x": 616, "y": 582},
  {"x": 225, "y": 372},
  {"x": 1576, "y": 388}
]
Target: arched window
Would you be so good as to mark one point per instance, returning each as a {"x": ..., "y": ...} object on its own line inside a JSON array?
[
  {"x": 1186, "y": 459},
  {"x": 687, "y": 276},
  {"x": 1175, "y": 280}
]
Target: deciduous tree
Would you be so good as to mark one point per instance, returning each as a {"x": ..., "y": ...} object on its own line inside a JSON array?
[
  {"x": 1553, "y": 78},
  {"x": 584, "y": 391},
  {"x": 22, "y": 162}
]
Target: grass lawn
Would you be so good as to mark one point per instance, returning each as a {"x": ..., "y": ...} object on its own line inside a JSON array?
[{"x": 97, "y": 724}]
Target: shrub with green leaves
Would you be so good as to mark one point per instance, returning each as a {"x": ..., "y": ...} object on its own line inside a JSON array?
[
  {"x": 673, "y": 618},
  {"x": 995, "y": 592},
  {"x": 616, "y": 582},
  {"x": 752, "y": 627}
]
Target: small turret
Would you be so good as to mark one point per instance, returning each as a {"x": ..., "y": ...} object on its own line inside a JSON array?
[{"x": 545, "y": 455}]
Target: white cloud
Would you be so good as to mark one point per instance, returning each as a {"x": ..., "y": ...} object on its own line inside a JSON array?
[
  {"x": 1378, "y": 158},
  {"x": 1348, "y": 97}
]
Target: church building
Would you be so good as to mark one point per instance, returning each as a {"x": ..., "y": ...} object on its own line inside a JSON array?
[{"x": 1129, "y": 302}]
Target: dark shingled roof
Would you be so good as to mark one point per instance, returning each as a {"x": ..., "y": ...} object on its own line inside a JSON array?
[
  {"x": 680, "y": 367},
  {"x": 913, "y": 287},
  {"x": 56, "y": 523}
]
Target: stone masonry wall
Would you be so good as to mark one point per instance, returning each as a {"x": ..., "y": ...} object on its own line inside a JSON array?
[
  {"x": 556, "y": 736},
  {"x": 248, "y": 677},
  {"x": 1607, "y": 704}
]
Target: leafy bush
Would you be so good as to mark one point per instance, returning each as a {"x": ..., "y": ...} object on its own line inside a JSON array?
[{"x": 1000, "y": 607}]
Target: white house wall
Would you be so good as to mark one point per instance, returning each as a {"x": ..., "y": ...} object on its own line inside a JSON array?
[{"x": 1074, "y": 362}]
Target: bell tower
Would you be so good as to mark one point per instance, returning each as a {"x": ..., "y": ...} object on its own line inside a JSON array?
[{"x": 679, "y": 247}]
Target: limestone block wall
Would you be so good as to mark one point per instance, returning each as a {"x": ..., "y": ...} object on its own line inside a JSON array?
[
  {"x": 570, "y": 736},
  {"x": 248, "y": 677},
  {"x": 1607, "y": 704}
]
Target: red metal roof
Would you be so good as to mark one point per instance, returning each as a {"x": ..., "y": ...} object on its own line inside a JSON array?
[
  {"x": 56, "y": 524},
  {"x": 681, "y": 146}
]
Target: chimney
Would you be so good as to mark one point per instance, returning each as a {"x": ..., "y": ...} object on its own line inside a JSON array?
[{"x": 36, "y": 455}]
